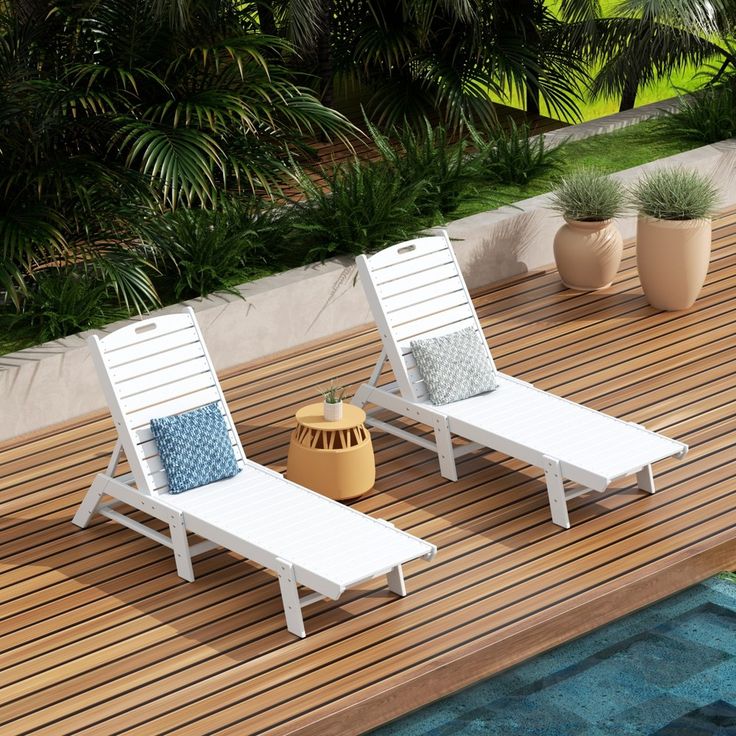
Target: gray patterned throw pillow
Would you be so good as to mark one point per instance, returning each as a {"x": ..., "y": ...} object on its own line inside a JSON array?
[{"x": 454, "y": 366}]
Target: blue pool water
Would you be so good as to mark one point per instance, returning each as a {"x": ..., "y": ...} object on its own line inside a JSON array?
[{"x": 668, "y": 670}]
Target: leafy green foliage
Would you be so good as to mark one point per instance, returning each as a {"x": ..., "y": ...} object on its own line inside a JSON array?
[
  {"x": 645, "y": 41},
  {"x": 364, "y": 207},
  {"x": 200, "y": 251},
  {"x": 675, "y": 194},
  {"x": 708, "y": 116},
  {"x": 111, "y": 110},
  {"x": 333, "y": 393},
  {"x": 62, "y": 302},
  {"x": 412, "y": 60},
  {"x": 512, "y": 155},
  {"x": 427, "y": 158},
  {"x": 587, "y": 194}
]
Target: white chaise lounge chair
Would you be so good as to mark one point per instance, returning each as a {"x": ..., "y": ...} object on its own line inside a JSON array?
[
  {"x": 415, "y": 290},
  {"x": 160, "y": 367}
]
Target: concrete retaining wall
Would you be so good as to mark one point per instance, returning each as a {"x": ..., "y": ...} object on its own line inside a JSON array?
[{"x": 56, "y": 382}]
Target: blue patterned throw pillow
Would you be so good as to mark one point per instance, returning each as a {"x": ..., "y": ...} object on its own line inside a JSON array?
[
  {"x": 455, "y": 366},
  {"x": 195, "y": 448}
]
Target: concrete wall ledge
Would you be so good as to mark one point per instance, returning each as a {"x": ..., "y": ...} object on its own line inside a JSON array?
[{"x": 56, "y": 382}]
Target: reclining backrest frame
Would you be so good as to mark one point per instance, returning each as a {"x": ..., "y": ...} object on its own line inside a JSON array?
[
  {"x": 416, "y": 290},
  {"x": 154, "y": 368}
]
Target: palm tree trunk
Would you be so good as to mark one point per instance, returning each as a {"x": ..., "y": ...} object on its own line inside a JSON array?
[
  {"x": 531, "y": 13},
  {"x": 628, "y": 94},
  {"x": 265, "y": 18},
  {"x": 532, "y": 99},
  {"x": 323, "y": 53},
  {"x": 28, "y": 10}
]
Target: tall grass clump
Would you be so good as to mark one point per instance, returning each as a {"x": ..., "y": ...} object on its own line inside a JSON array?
[
  {"x": 707, "y": 116},
  {"x": 588, "y": 195},
  {"x": 512, "y": 155},
  {"x": 675, "y": 194}
]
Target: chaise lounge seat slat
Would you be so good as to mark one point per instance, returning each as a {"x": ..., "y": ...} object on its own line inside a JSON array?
[
  {"x": 593, "y": 448},
  {"x": 416, "y": 290},
  {"x": 160, "y": 367},
  {"x": 325, "y": 540}
]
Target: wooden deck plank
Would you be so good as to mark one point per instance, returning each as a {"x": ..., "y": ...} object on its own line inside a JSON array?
[{"x": 95, "y": 627}]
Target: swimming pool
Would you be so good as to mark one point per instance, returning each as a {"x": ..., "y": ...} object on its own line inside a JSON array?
[{"x": 667, "y": 670}]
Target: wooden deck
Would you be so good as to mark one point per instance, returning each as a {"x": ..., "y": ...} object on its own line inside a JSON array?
[{"x": 99, "y": 636}]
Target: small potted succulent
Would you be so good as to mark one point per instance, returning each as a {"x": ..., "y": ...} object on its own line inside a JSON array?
[
  {"x": 673, "y": 235},
  {"x": 332, "y": 397},
  {"x": 588, "y": 247}
]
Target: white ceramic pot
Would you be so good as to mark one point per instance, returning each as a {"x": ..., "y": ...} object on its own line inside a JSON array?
[
  {"x": 332, "y": 412},
  {"x": 588, "y": 254},
  {"x": 673, "y": 258}
]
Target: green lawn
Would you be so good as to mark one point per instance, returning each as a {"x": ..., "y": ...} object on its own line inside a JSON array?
[
  {"x": 591, "y": 109},
  {"x": 624, "y": 149},
  {"x": 664, "y": 89},
  {"x": 683, "y": 80}
]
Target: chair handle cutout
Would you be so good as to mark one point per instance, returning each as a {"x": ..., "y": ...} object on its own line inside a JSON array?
[
  {"x": 145, "y": 328},
  {"x": 407, "y": 249}
]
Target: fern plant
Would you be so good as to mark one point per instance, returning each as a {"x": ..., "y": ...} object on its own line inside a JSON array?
[
  {"x": 199, "y": 251},
  {"x": 63, "y": 301},
  {"x": 427, "y": 158},
  {"x": 510, "y": 154}
]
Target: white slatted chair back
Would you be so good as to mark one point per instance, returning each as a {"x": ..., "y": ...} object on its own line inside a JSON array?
[
  {"x": 156, "y": 368},
  {"x": 416, "y": 290}
]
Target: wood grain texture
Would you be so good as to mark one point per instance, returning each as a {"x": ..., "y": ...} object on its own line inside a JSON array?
[{"x": 99, "y": 636}]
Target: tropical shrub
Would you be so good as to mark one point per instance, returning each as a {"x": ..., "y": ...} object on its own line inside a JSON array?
[
  {"x": 427, "y": 158},
  {"x": 112, "y": 109},
  {"x": 645, "y": 41},
  {"x": 362, "y": 207},
  {"x": 63, "y": 301},
  {"x": 675, "y": 194},
  {"x": 588, "y": 195},
  {"x": 707, "y": 116},
  {"x": 408, "y": 59},
  {"x": 199, "y": 251},
  {"x": 510, "y": 154}
]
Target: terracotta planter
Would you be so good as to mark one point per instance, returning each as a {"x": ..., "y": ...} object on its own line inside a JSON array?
[
  {"x": 673, "y": 258},
  {"x": 588, "y": 254}
]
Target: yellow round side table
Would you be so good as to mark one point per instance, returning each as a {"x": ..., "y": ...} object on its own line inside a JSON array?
[{"x": 332, "y": 458}]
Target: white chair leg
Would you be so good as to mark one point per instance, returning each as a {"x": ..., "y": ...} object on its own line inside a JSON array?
[
  {"x": 360, "y": 398},
  {"x": 180, "y": 543},
  {"x": 91, "y": 502},
  {"x": 290, "y": 598},
  {"x": 395, "y": 579},
  {"x": 645, "y": 479},
  {"x": 445, "y": 452},
  {"x": 556, "y": 492}
]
